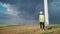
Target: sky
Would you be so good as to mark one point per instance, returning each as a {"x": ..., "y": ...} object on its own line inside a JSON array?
[
  {"x": 27, "y": 11},
  {"x": 2, "y": 9}
]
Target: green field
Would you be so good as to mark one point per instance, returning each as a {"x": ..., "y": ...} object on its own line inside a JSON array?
[{"x": 29, "y": 29}]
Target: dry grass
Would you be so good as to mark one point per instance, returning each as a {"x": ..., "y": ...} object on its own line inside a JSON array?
[{"x": 31, "y": 29}]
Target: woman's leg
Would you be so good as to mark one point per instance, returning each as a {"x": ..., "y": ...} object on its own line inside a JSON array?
[
  {"x": 43, "y": 25},
  {"x": 40, "y": 25}
]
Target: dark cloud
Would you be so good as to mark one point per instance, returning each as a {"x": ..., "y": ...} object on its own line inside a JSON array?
[
  {"x": 27, "y": 9},
  {"x": 8, "y": 1},
  {"x": 54, "y": 11}
]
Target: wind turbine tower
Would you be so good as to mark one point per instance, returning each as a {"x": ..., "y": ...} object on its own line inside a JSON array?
[{"x": 46, "y": 12}]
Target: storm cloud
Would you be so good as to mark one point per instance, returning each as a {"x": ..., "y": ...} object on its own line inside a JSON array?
[
  {"x": 54, "y": 11},
  {"x": 23, "y": 11}
]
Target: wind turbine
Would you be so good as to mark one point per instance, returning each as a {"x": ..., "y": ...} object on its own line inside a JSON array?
[{"x": 46, "y": 12}]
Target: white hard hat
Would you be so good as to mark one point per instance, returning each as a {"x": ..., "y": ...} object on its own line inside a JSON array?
[{"x": 41, "y": 12}]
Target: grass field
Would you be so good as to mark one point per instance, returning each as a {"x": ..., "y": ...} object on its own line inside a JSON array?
[{"x": 29, "y": 29}]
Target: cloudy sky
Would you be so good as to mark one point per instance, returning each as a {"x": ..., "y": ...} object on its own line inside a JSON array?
[{"x": 27, "y": 11}]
